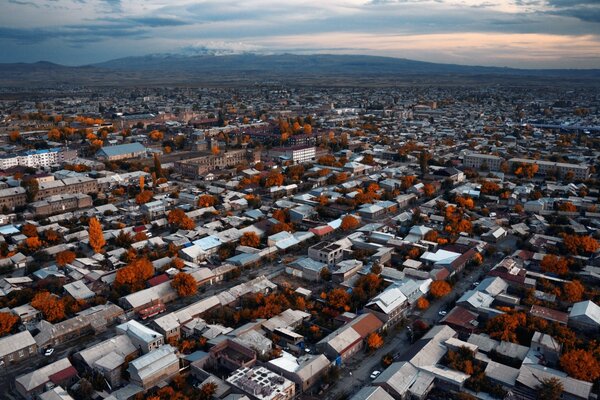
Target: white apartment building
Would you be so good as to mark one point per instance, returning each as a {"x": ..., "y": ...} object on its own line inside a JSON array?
[{"x": 478, "y": 161}]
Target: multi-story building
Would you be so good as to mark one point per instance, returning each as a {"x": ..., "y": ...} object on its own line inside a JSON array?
[
  {"x": 553, "y": 168},
  {"x": 121, "y": 152},
  {"x": 482, "y": 161},
  {"x": 17, "y": 347},
  {"x": 74, "y": 185},
  {"x": 37, "y": 158},
  {"x": 150, "y": 369},
  {"x": 61, "y": 203},
  {"x": 295, "y": 155},
  {"x": 261, "y": 384},
  {"x": 12, "y": 197},
  {"x": 327, "y": 252},
  {"x": 196, "y": 167}
]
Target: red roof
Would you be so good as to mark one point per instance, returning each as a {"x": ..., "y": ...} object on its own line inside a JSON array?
[
  {"x": 549, "y": 314},
  {"x": 63, "y": 375},
  {"x": 139, "y": 229},
  {"x": 321, "y": 230},
  {"x": 158, "y": 279},
  {"x": 461, "y": 317}
]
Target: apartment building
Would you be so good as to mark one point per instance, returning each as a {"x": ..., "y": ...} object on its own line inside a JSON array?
[
  {"x": 549, "y": 167},
  {"x": 74, "y": 185},
  {"x": 37, "y": 158},
  {"x": 482, "y": 161},
  {"x": 196, "y": 167},
  {"x": 295, "y": 155},
  {"x": 12, "y": 197}
]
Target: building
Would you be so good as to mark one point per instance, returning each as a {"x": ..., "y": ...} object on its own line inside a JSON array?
[
  {"x": 389, "y": 306},
  {"x": 75, "y": 185},
  {"x": 17, "y": 347},
  {"x": 10, "y": 198},
  {"x": 579, "y": 172},
  {"x": 261, "y": 384},
  {"x": 197, "y": 167},
  {"x": 37, "y": 158},
  {"x": 60, "y": 204},
  {"x": 306, "y": 268},
  {"x": 160, "y": 365},
  {"x": 304, "y": 371},
  {"x": 295, "y": 155},
  {"x": 585, "y": 316},
  {"x": 329, "y": 253},
  {"x": 35, "y": 383},
  {"x": 346, "y": 341},
  {"x": 141, "y": 336},
  {"x": 405, "y": 381},
  {"x": 372, "y": 393},
  {"x": 482, "y": 161},
  {"x": 232, "y": 355},
  {"x": 121, "y": 152}
]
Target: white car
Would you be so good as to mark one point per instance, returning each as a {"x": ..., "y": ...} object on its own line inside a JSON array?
[
  {"x": 375, "y": 374},
  {"x": 442, "y": 313},
  {"x": 49, "y": 352}
]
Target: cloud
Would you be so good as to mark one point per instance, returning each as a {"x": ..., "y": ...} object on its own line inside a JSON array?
[{"x": 24, "y": 3}]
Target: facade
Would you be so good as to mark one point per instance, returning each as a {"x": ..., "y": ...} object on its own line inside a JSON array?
[
  {"x": 327, "y": 252},
  {"x": 34, "y": 383},
  {"x": 196, "y": 167},
  {"x": 482, "y": 161},
  {"x": 141, "y": 336},
  {"x": 579, "y": 172},
  {"x": 17, "y": 347},
  {"x": 75, "y": 185},
  {"x": 345, "y": 342},
  {"x": 37, "y": 158},
  {"x": 295, "y": 155},
  {"x": 61, "y": 203},
  {"x": 12, "y": 198}
]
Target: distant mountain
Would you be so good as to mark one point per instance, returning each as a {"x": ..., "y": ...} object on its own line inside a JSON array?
[
  {"x": 292, "y": 64},
  {"x": 208, "y": 69}
]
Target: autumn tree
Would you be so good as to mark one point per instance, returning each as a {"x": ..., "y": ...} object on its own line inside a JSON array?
[
  {"x": 576, "y": 244},
  {"x": 422, "y": 303},
  {"x": 143, "y": 197},
  {"x": 349, "y": 222},
  {"x": 504, "y": 326},
  {"x": 567, "y": 206},
  {"x": 49, "y": 305},
  {"x": 374, "y": 341},
  {"x": 581, "y": 364},
  {"x": 14, "y": 136},
  {"x": 207, "y": 391},
  {"x": 184, "y": 284},
  {"x": 65, "y": 257},
  {"x": 156, "y": 135},
  {"x": 428, "y": 190},
  {"x": 431, "y": 236},
  {"x": 439, "y": 288},
  {"x": 33, "y": 243},
  {"x": 178, "y": 218},
  {"x": 7, "y": 322},
  {"x": 206, "y": 200},
  {"x": 338, "y": 298},
  {"x": 250, "y": 239},
  {"x": 135, "y": 273},
  {"x": 555, "y": 265},
  {"x": 29, "y": 230},
  {"x": 573, "y": 291},
  {"x": 274, "y": 178},
  {"x": 96, "y": 236}
]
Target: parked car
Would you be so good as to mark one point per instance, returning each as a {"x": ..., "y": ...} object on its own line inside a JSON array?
[
  {"x": 375, "y": 374},
  {"x": 49, "y": 352},
  {"x": 442, "y": 313}
]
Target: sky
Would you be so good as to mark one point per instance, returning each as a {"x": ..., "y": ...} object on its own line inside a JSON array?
[{"x": 513, "y": 33}]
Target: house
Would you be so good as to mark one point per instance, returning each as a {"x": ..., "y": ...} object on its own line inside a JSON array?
[
  {"x": 231, "y": 355},
  {"x": 288, "y": 319},
  {"x": 329, "y": 253},
  {"x": 405, "y": 381},
  {"x": 120, "y": 152},
  {"x": 60, "y": 372},
  {"x": 345, "y": 270},
  {"x": 461, "y": 319},
  {"x": 585, "y": 316},
  {"x": 108, "y": 357},
  {"x": 371, "y": 393},
  {"x": 142, "y": 337},
  {"x": 17, "y": 347},
  {"x": 346, "y": 341},
  {"x": 78, "y": 290},
  {"x": 305, "y": 268},
  {"x": 157, "y": 366},
  {"x": 261, "y": 384},
  {"x": 531, "y": 375},
  {"x": 304, "y": 371},
  {"x": 389, "y": 306}
]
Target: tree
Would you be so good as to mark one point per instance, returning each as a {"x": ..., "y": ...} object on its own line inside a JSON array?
[
  {"x": 250, "y": 239},
  {"x": 135, "y": 273},
  {"x": 504, "y": 326},
  {"x": 581, "y": 364},
  {"x": 422, "y": 303},
  {"x": 428, "y": 189},
  {"x": 143, "y": 197},
  {"x": 576, "y": 244},
  {"x": 7, "y": 322},
  {"x": 349, "y": 222},
  {"x": 14, "y": 136},
  {"x": 50, "y": 306},
  {"x": 274, "y": 178},
  {"x": 29, "y": 230},
  {"x": 65, "y": 257},
  {"x": 31, "y": 189},
  {"x": 573, "y": 291},
  {"x": 178, "y": 218},
  {"x": 184, "y": 284},
  {"x": 338, "y": 298},
  {"x": 142, "y": 183},
  {"x": 550, "y": 389},
  {"x": 157, "y": 166},
  {"x": 156, "y": 135},
  {"x": 567, "y": 206},
  {"x": 206, "y": 200},
  {"x": 207, "y": 391},
  {"x": 439, "y": 288},
  {"x": 33, "y": 243},
  {"x": 325, "y": 274},
  {"x": 96, "y": 236},
  {"x": 374, "y": 341},
  {"x": 555, "y": 265},
  {"x": 215, "y": 149},
  {"x": 424, "y": 158}
]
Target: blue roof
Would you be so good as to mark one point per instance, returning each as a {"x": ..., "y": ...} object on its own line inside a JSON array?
[
  {"x": 122, "y": 149},
  {"x": 243, "y": 259},
  {"x": 8, "y": 230},
  {"x": 207, "y": 243}
]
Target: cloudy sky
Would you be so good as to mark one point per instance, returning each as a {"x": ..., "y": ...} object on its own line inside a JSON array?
[{"x": 515, "y": 33}]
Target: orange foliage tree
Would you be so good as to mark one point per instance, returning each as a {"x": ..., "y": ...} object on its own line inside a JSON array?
[
  {"x": 555, "y": 265},
  {"x": 428, "y": 189},
  {"x": 422, "y": 303},
  {"x": 33, "y": 243},
  {"x": 407, "y": 181},
  {"x": 567, "y": 206},
  {"x": 250, "y": 239},
  {"x": 576, "y": 244},
  {"x": 135, "y": 273},
  {"x": 65, "y": 257},
  {"x": 178, "y": 218},
  {"x": 338, "y": 298},
  {"x": 581, "y": 364},
  {"x": 96, "y": 236},
  {"x": 439, "y": 288},
  {"x": 206, "y": 200},
  {"x": 143, "y": 197},
  {"x": 29, "y": 230},
  {"x": 7, "y": 322},
  {"x": 274, "y": 178},
  {"x": 504, "y": 326},
  {"x": 50, "y": 306},
  {"x": 349, "y": 223},
  {"x": 374, "y": 341},
  {"x": 573, "y": 291},
  {"x": 184, "y": 284}
]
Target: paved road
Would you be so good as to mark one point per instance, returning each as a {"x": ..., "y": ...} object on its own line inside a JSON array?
[{"x": 356, "y": 372}]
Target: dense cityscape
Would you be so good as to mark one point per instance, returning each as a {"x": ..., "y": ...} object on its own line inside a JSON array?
[{"x": 269, "y": 242}]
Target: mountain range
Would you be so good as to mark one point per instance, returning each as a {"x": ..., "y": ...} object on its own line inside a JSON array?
[{"x": 248, "y": 67}]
